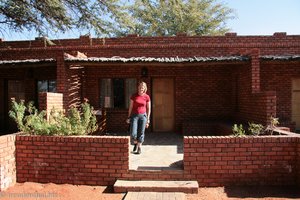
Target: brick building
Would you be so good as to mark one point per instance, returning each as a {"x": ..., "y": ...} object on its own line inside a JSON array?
[{"x": 190, "y": 78}]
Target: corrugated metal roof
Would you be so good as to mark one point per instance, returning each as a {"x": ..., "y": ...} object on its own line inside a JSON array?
[
  {"x": 281, "y": 57},
  {"x": 6, "y": 62},
  {"x": 161, "y": 60}
]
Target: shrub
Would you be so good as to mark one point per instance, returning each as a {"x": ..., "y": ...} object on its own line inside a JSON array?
[
  {"x": 255, "y": 129},
  {"x": 30, "y": 121},
  {"x": 238, "y": 130}
]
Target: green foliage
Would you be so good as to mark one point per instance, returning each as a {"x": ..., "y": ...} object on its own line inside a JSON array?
[
  {"x": 159, "y": 18},
  {"x": 272, "y": 125},
  {"x": 17, "y": 113},
  {"x": 33, "y": 122},
  {"x": 238, "y": 130},
  {"x": 46, "y": 16},
  {"x": 116, "y": 17},
  {"x": 255, "y": 129},
  {"x": 274, "y": 121}
]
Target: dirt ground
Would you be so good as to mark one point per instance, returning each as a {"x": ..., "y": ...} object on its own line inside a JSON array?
[{"x": 50, "y": 191}]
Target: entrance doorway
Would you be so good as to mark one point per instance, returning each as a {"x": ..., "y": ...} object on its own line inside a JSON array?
[
  {"x": 15, "y": 89},
  {"x": 163, "y": 104},
  {"x": 296, "y": 102}
]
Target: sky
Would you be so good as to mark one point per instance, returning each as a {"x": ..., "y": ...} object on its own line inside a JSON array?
[
  {"x": 252, "y": 17},
  {"x": 264, "y": 17}
]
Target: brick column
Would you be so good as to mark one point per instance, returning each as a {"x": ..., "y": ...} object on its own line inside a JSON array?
[
  {"x": 7, "y": 161},
  {"x": 61, "y": 79},
  {"x": 49, "y": 101},
  {"x": 255, "y": 71}
]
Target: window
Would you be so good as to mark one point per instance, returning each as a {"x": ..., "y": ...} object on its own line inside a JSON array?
[
  {"x": 115, "y": 93},
  {"x": 46, "y": 86}
]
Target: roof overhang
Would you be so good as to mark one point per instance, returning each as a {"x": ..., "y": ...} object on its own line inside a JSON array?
[
  {"x": 121, "y": 60},
  {"x": 152, "y": 60},
  {"x": 280, "y": 58},
  {"x": 26, "y": 63}
]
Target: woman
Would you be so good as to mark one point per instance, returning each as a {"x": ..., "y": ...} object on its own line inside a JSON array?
[{"x": 139, "y": 116}]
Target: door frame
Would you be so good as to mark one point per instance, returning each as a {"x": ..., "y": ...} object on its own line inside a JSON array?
[{"x": 152, "y": 103}]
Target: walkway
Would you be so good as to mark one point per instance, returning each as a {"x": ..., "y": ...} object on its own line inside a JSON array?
[{"x": 160, "y": 151}]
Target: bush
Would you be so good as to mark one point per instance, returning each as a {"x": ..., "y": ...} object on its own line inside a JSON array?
[
  {"x": 255, "y": 129},
  {"x": 30, "y": 121},
  {"x": 238, "y": 130}
]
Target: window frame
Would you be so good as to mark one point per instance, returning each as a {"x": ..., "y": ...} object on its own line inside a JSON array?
[
  {"x": 48, "y": 81},
  {"x": 125, "y": 89}
]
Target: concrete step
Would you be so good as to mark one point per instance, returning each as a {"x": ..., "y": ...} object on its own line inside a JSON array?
[
  {"x": 155, "y": 196},
  {"x": 156, "y": 186}
]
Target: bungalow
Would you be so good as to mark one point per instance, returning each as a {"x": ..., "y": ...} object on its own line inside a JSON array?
[{"x": 192, "y": 80}]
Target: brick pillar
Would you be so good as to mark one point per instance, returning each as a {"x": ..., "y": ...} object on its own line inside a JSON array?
[
  {"x": 62, "y": 79},
  {"x": 255, "y": 71},
  {"x": 271, "y": 104},
  {"x": 7, "y": 162},
  {"x": 49, "y": 101}
]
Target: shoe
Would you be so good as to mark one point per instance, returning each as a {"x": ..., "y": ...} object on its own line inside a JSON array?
[
  {"x": 139, "y": 150},
  {"x": 134, "y": 147}
]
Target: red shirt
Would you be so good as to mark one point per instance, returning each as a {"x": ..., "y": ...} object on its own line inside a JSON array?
[{"x": 139, "y": 103}]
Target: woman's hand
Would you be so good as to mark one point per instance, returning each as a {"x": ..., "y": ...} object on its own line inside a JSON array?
[
  {"x": 148, "y": 124},
  {"x": 128, "y": 120}
]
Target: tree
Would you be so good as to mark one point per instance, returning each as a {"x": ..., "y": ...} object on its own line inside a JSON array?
[
  {"x": 169, "y": 17},
  {"x": 48, "y": 16},
  {"x": 115, "y": 17}
]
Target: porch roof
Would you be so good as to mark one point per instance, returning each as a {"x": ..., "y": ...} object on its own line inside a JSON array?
[
  {"x": 281, "y": 57},
  {"x": 159, "y": 60},
  {"x": 13, "y": 63}
]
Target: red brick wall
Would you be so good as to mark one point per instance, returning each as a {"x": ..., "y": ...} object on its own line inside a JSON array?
[
  {"x": 254, "y": 103},
  {"x": 218, "y": 161},
  {"x": 7, "y": 161},
  {"x": 258, "y": 108},
  {"x": 156, "y": 46},
  {"x": 277, "y": 76},
  {"x": 98, "y": 160},
  {"x": 91, "y": 160},
  {"x": 226, "y": 101},
  {"x": 201, "y": 92}
]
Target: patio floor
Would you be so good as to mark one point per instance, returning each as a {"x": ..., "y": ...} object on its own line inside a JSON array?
[{"x": 160, "y": 151}]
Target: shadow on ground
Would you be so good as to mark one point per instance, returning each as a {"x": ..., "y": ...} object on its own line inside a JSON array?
[{"x": 292, "y": 192}]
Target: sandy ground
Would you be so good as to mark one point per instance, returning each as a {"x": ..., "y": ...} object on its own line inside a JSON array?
[{"x": 50, "y": 191}]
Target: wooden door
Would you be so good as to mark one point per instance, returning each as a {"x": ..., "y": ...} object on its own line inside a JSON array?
[
  {"x": 163, "y": 104},
  {"x": 296, "y": 102}
]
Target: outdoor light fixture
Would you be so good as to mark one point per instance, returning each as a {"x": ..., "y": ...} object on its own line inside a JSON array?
[{"x": 144, "y": 72}]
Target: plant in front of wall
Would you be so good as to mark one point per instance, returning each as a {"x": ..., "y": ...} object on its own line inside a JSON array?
[
  {"x": 17, "y": 113},
  {"x": 273, "y": 123},
  {"x": 78, "y": 122},
  {"x": 238, "y": 130},
  {"x": 255, "y": 129}
]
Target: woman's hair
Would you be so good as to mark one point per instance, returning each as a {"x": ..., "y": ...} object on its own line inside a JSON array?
[{"x": 142, "y": 83}]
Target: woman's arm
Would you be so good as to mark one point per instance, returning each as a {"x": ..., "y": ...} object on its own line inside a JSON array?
[
  {"x": 130, "y": 108},
  {"x": 148, "y": 110}
]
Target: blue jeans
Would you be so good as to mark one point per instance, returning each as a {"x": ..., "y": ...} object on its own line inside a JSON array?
[{"x": 137, "y": 127}]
